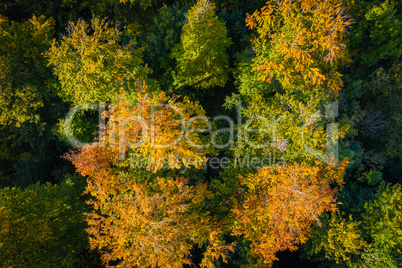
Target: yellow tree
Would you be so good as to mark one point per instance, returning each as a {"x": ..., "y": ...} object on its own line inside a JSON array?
[
  {"x": 92, "y": 65},
  {"x": 299, "y": 41},
  {"x": 277, "y": 206}
]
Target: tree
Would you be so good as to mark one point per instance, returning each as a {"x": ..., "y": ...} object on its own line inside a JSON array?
[
  {"x": 150, "y": 228},
  {"x": 23, "y": 89},
  {"x": 155, "y": 130},
  {"x": 143, "y": 3},
  {"x": 276, "y": 207},
  {"x": 146, "y": 217},
  {"x": 159, "y": 41},
  {"x": 298, "y": 42},
  {"x": 371, "y": 240},
  {"x": 291, "y": 77},
  {"x": 377, "y": 27},
  {"x": 201, "y": 59},
  {"x": 43, "y": 225},
  {"x": 28, "y": 105},
  {"x": 372, "y": 79},
  {"x": 92, "y": 65}
]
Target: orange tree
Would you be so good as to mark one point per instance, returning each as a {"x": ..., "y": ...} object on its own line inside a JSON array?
[
  {"x": 149, "y": 217},
  {"x": 275, "y": 207}
]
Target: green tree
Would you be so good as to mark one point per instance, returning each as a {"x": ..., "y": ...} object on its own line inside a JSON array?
[
  {"x": 160, "y": 39},
  {"x": 201, "y": 59},
  {"x": 370, "y": 239},
  {"x": 372, "y": 81},
  {"x": 379, "y": 28},
  {"x": 43, "y": 225},
  {"x": 28, "y": 105},
  {"x": 23, "y": 72}
]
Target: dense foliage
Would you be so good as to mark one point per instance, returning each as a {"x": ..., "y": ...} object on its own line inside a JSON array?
[{"x": 139, "y": 133}]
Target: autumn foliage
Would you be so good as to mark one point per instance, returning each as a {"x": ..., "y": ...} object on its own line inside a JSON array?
[
  {"x": 146, "y": 227},
  {"x": 299, "y": 41},
  {"x": 141, "y": 222},
  {"x": 277, "y": 206},
  {"x": 154, "y": 217},
  {"x": 92, "y": 65},
  {"x": 156, "y": 128},
  {"x": 200, "y": 133}
]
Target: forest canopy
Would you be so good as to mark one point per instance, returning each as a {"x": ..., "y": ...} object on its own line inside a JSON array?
[{"x": 198, "y": 133}]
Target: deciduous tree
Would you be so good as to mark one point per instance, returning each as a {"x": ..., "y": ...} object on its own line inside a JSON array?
[
  {"x": 371, "y": 238},
  {"x": 43, "y": 225},
  {"x": 141, "y": 218},
  {"x": 201, "y": 59},
  {"x": 93, "y": 66},
  {"x": 299, "y": 41},
  {"x": 277, "y": 206}
]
